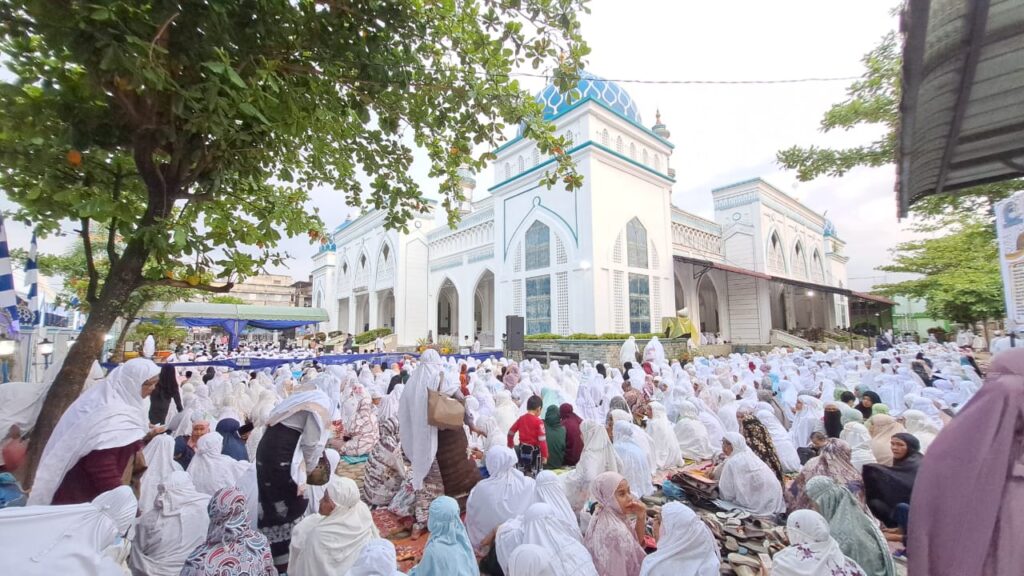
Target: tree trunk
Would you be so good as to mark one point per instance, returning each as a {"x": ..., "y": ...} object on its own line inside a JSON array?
[
  {"x": 67, "y": 385},
  {"x": 121, "y": 337}
]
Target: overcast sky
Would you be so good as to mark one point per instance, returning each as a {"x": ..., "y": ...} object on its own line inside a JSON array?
[{"x": 725, "y": 133}]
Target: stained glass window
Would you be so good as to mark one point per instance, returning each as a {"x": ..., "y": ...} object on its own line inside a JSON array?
[
  {"x": 639, "y": 304},
  {"x": 538, "y": 305},
  {"x": 538, "y": 246},
  {"x": 636, "y": 244}
]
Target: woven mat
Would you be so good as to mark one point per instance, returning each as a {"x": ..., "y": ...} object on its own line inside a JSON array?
[{"x": 354, "y": 472}]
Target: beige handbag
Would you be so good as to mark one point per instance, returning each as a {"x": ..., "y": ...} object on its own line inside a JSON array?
[{"x": 444, "y": 412}]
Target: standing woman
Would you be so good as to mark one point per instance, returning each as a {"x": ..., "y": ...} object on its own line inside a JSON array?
[
  {"x": 555, "y": 438},
  {"x": 439, "y": 461},
  {"x": 573, "y": 436},
  {"x": 97, "y": 441},
  {"x": 300, "y": 421},
  {"x": 166, "y": 390}
]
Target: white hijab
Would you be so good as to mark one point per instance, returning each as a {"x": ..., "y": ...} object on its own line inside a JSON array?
[
  {"x": 550, "y": 492},
  {"x": 505, "y": 411},
  {"x": 331, "y": 544},
  {"x": 67, "y": 540},
  {"x": 504, "y": 495},
  {"x": 419, "y": 439},
  {"x": 542, "y": 526},
  {"x": 691, "y": 434},
  {"x": 783, "y": 442},
  {"x": 210, "y": 470},
  {"x": 172, "y": 529},
  {"x": 109, "y": 415},
  {"x": 530, "y": 560},
  {"x": 748, "y": 482},
  {"x": 685, "y": 546},
  {"x": 807, "y": 420},
  {"x": 636, "y": 467},
  {"x": 665, "y": 445},
  {"x": 598, "y": 456},
  {"x": 377, "y": 558},
  {"x": 812, "y": 550},
  {"x": 160, "y": 464},
  {"x": 857, "y": 436}
]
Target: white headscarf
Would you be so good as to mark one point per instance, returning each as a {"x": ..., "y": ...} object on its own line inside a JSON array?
[
  {"x": 807, "y": 420},
  {"x": 598, "y": 456},
  {"x": 748, "y": 482},
  {"x": 666, "y": 447},
  {"x": 691, "y": 434},
  {"x": 377, "y": 558},
  {"x": 210, "y": 470},
  {"x": 636, "y": 467},
  {"x": 172, "y": 529},
  {"x": 109, "y": 415},
  {"x": 531, "y": 560},
  {"x": 67, "y": 540},
  {"x": 503, "y": 495},
  {"x": 685, "y": 546},
  {"x": 542, "y": 526},
  {"x": 550, "y": 492},
  {"x": 331, "y": 544},
  {"x": 812, "y": 550},
  {"x": 160, "y": 464},
  {"x": 857, "y": 436},
  {"x": 419, "y": 439},
  {"x": 505, "y": 412}
]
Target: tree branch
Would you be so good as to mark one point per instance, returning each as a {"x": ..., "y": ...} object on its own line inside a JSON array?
[
  {"x": 94, "y": 275},
  {"x": 112, "y": 230},
  {"x": 168, "y": 282}
]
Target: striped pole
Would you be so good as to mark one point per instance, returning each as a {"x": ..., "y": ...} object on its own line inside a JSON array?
[
  {"x": 32, "y": 279},
  {"x": 8, "y": 297}
]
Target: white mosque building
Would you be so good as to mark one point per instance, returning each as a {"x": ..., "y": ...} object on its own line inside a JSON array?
[{"x": 613, "y": 257}]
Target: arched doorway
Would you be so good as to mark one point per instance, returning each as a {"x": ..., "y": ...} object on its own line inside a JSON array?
[
  {"x": 386, "y": 309},
  {"x": 680, "y": 301},
  {"x": 483, "y": 308},
  {"x": 362, "y": 313},
  {"x": 707, "y": 297},
  {"x": 779, "y": 312},
  {"x": 447, "y": 309}
]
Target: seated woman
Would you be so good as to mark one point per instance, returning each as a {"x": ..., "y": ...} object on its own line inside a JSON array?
[
  {"x": 228, "y": 427},
  {"x": 66, "y": 540},
  {"x": 612, "y": 538},
  {"x": 598, "y": 456},
  {"x": 760, "y": 442},
  {"x": 883, "y": 427},
  {"x": 746, "y": 481},
  {"x": 921, "y": 426},
  {"x": 385, "y": 469},
  {"x": 448, "y": 551},
  {"x": 885, "y": 487},
  {"x": 573, "y": 435},
  {"x": 561, "y": 541},
  {"x": 857, "y": 436},
  {"x": 549, "y": 491},
  {"x": 171, "y": 530},
  {"x": 856, "y": 532},
  {"x": 832, "y": 462},
  {"x": 666, "y": 448},
  {"x": 811, "y": 550},
  {"x": 377, "y": 558},
  {"x": 685, "y": 545},
  {"x": 691, "y": 434},
  {"x": 231, "y": 546},
  {"x": 506, "y": 493},
  {"x": 555, "y": 434},
  {"x": 363, "y": 432},
  {"x": 635, "y": 466},
  {"x": 210, "y": 470},
  {"x": 95, "y": 445},
  {"x": 329, "y": 542}
]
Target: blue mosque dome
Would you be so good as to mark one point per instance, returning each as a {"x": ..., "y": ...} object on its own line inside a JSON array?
[
  {"x": 830, "y": 229},
  {"x": 590, "y": 86}
]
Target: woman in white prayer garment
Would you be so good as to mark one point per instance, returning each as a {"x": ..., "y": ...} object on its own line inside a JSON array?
[
  {"x": 746, "y": 481},
  {"x": 691, "y": 434},
  {"x": 635, "y": 465},
  {"x": 175, "y": 525}
]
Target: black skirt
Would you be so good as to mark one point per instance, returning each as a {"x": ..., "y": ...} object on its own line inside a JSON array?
[{"x": 281, "y": 508}]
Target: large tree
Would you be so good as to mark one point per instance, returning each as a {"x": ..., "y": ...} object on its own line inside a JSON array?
[
  {"x": 195, "y": 129},
  {"x": 959, "y": 231}
]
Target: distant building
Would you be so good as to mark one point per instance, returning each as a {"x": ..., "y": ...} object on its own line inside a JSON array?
[
  {"x": 613, "y": 257},
  {"x": 302, "y": 294},
  {"x": 267, "y": 290}
]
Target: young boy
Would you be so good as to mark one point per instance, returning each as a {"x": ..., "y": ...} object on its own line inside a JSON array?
[{"x": 530, "y": 428}]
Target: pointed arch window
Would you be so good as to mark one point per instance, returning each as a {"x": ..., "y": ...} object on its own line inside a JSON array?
[
  {"x": 636, "y": 244},
  {"x": 776, "y": 261},
  {"x": 538, "y": 246}
]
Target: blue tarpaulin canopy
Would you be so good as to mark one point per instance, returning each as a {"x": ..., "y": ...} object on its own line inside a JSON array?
[{"x": 234, "y": 318}]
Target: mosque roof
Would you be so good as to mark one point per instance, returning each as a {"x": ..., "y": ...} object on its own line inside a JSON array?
[{"x": 590, "y": 87}]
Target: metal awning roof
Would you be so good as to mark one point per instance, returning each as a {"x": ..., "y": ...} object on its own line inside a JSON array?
[
  {"x": 962, "y": 107},
  {"x": 234, "y": 312},
  {"x": 720, "y": 266},
  {"x": 874, "y": 298}
]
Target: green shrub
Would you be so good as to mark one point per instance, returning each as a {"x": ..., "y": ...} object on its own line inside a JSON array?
[
  {"x": 544, "y": 336},
  {"x": 371, "y": 335},
  {"x": 585, "y": 336}
]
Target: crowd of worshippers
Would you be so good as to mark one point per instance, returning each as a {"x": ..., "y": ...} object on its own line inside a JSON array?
[{"x": 160, "y": 470}]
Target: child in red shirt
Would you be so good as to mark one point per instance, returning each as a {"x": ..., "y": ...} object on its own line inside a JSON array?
[{"x": 530, "y": 428}]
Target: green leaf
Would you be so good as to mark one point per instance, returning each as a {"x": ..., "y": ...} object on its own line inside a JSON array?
[{"x": 235, "y": 78}]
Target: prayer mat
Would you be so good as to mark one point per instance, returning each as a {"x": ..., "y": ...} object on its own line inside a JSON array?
[
  {"x": 354, "y": 472},
  {"x": 355, "y": 459}
]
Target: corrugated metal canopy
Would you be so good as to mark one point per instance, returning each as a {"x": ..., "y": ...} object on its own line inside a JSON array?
[
  {"x": 962, "y": 109},
  {"x": 234, "y": 312}
]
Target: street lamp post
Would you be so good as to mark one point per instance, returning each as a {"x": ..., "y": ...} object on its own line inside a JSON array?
[{"x": 46, "y": 350}]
